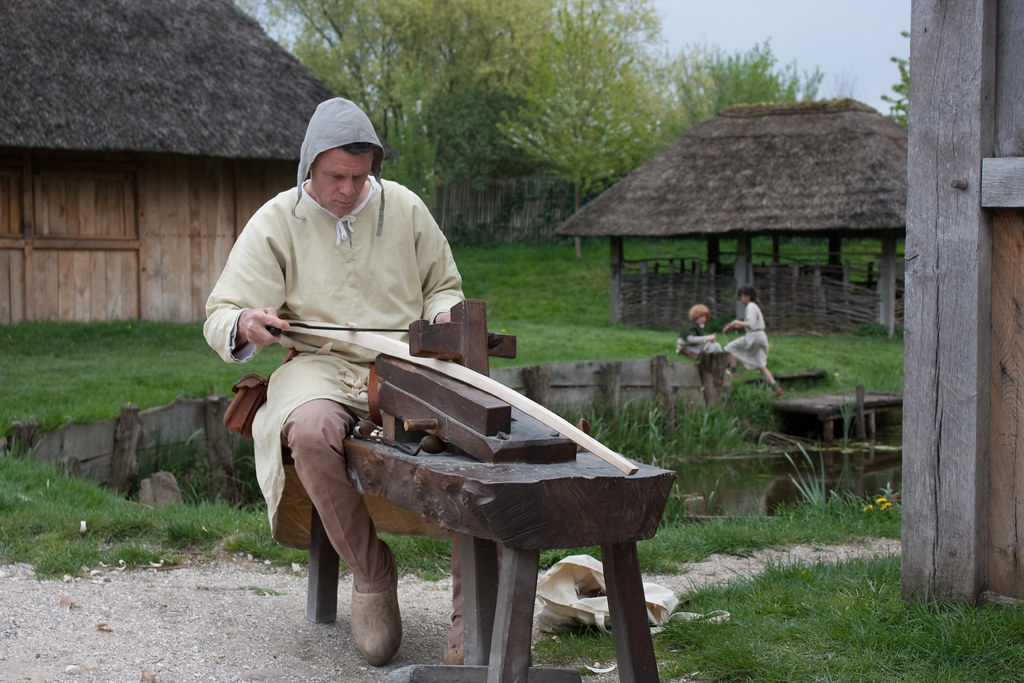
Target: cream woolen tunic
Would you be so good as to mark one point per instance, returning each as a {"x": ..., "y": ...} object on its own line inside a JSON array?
[{"x": 299, "y": 268}]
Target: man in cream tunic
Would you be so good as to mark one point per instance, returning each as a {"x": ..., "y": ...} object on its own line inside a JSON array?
[{"x": 344, "y": 247}]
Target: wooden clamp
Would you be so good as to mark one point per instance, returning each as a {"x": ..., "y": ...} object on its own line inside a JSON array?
[{"x": 464, "y": 340}]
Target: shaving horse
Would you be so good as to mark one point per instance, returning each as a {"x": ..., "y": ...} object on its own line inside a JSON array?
[{"x": 481, "y": 460}]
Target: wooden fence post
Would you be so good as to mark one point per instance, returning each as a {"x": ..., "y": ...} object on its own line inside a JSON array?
[
  {"x": 537, "y": 384},
  {"x": 953, "y": 49},
  {"x": 24, "y": 436},
  {"x": 662, "y": 389},
  {"x": 610, "y": 376},
  {"x": 712, "y": 375},
  {"x": 223, "y": 477},
  {"x": 124, "y": 463}
]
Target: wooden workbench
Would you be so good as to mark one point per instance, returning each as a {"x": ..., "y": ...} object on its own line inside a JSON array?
[{"x": 525, "y": 508}]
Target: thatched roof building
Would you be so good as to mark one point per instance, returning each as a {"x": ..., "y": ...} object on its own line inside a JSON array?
[
  {"x": 196, "y": 77},
  {"x": 809, "y": 168},
  {"x": 136, "y": 139},
  {"x": 835, "y": 170}
]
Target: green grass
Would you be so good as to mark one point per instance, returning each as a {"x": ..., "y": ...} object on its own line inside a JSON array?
[
  {"x": 555, "y": 305},
  {"x": 55, "y": 372},
  {"x": 823, "y": 622},
  {"x": 42, "y": 508}
]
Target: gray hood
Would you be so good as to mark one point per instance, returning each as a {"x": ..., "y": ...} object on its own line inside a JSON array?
[{"x": 335, "y": 123}]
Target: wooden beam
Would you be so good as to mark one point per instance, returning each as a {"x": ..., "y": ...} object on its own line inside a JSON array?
[
  {"x": 615, "y": 257},
  {"x": 887, "y": 283},
  {"x": 1002, "y": 182},
  {"x": 743, "y": 271}
]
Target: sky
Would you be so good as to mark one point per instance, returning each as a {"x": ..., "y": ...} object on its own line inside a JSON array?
[{"x": 851, "y": 42}]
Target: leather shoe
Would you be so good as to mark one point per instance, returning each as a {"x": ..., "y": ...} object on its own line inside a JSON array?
[{"x": 377, "y": 622}]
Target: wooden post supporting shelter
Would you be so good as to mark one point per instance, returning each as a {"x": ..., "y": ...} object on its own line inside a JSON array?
[{"x": 963, "y": 471}]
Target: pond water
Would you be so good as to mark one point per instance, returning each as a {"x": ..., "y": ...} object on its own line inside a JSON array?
[{"x": 740, "y": 484}]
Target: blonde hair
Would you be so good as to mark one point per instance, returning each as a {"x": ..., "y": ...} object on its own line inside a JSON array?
[{"x": 698, "y": 311}]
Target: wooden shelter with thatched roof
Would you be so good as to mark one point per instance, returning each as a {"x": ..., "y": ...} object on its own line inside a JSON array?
[
  {"x": 136, "y": 139},
  {"x": 832, "y": 170}
]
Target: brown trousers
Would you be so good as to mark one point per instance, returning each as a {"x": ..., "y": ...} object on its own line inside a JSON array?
[{"x": 315, "y": 433}]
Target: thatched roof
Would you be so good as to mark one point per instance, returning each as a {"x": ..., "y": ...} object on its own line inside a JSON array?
[
  {"x": 196, "y": 77},
  {"x": 808, "y": 167}
]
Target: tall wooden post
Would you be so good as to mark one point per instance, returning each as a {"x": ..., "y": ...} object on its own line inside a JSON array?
[
  {"x": 1003, "y": 194},
  {"x": 743, "y": 271},
  {"x": 948, "y": 288},
  {"x": 615, "y": 284},
  {"x": 887, "y": 283}
]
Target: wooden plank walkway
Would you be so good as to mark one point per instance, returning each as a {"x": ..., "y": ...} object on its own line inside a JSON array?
[{"x": 830, "y": 409}]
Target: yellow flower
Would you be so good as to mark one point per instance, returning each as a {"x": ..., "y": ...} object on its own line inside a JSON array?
[{"x": 867, "y": 507}]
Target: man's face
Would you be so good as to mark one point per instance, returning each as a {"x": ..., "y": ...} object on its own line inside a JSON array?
[{"x": 337, "y": 179}]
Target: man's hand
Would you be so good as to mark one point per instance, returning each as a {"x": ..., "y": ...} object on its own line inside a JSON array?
[
  {"x": 443, "y": 317},
  {"x": 253, "y": 324}
]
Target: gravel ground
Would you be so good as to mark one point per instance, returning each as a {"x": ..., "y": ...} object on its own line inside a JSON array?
[{"x": 237, "y": 620}]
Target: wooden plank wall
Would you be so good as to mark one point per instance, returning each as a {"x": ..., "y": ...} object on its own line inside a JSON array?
[
  {"x": 191, "y": 210},
  {"x": 81, "y": 247},
  {"x": 948, "y": 288},
  {"x": 12, "y": 257},
  {"x": 124, "y": 238}
]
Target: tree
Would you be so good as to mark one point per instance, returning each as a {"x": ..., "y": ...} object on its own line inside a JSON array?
[
  {"x": 586, "y": 114},
  {"x": 473, "y": 149},
  {"x": 708, "y": 81},
  {"x": 898, "y": 110},
  {"x": 412, "y": 64}
]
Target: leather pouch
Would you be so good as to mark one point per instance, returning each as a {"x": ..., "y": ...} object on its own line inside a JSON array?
[{"x": 250, "y": 393}]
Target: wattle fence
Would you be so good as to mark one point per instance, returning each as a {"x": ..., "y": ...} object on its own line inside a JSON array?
[{"x": 658, "y": 293}]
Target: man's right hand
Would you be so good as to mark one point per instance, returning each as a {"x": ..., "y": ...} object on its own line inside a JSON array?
[{"x": 253, "y": 327}]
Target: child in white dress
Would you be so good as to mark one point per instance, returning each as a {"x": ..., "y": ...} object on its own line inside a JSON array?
[{"x": 752, "y": 348}]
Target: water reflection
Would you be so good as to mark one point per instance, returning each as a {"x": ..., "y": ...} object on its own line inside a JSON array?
[{"x": 759, "y": 483}]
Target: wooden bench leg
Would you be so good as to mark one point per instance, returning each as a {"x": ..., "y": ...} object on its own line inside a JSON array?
[
  {"x": 513, "y": 619},
  {"x": 479, "y": 571},
  {"x": 508, "y": 624},
  {"x": 631, "y": 632},
  {"x": 322, "y": 589}
]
